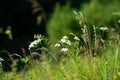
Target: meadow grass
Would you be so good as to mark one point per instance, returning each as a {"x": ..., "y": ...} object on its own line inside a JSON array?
[
  {"x": 77, "y": 58},
  {"x": 105, "y": 67}
]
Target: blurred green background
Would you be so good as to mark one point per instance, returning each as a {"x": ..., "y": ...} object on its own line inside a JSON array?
[
  {"x": 96, "y": 12},
  {"x": 53, "y": 18}
]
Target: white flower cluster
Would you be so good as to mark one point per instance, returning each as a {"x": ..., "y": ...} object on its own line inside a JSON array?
[
  {"x": 64, "y": 49},
  {"x": 65, "y": 40},
  {"x": 103, "y": 28},
  {"x": 34, "y": 44}
]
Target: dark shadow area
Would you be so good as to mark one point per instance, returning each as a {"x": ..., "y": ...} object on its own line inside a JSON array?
[
  {"x": 25, "y": 21},
  {"x": 26, "y": 18}
]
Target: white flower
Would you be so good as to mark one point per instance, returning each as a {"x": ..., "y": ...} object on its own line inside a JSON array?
[
  {"x": 68, "y": 42},
  {"x": 103, "y": 28},
  {"x": 65, "y": 37},
  {"x": 57, "y": 45},
  {"x": 63, "y": 40},
  {"x": 33, "y": 44},
  {"x": 64, "y": 49},
  {"x": 76, "y": 38},
  {"x": 30, "y": 46}
]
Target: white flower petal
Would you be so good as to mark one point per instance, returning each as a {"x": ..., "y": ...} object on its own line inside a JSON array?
[
  {"x": 68, "y": 42},
  {"x": 65, "y": 37},
  {"x": 63, "y": 40},
  {"x": 64, "y": 49},
  {"x": 76, "y": 38},
  {"x": 103, "y": 28},
  {"x": 57, "y": 45}
]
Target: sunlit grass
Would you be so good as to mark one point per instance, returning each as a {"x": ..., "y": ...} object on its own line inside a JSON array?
[
  {"x": 104, "y": 67},
  {"x": 71, "y": 58}
]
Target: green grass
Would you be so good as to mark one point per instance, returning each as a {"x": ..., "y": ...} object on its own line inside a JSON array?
[
  {"x": 72, "y": 58},
  {"x": 104, "y": 67}
]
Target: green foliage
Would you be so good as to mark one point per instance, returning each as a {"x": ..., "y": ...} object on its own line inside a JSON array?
[
  {"x": 105, "y": 67},
  {"x": 7, "y": 32},
  {"x": 100, "y": 12},
  {"x": 24, "y": 60},
  {"x": 61, "y": 22},
  {"x": 77, "y": 60}
]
